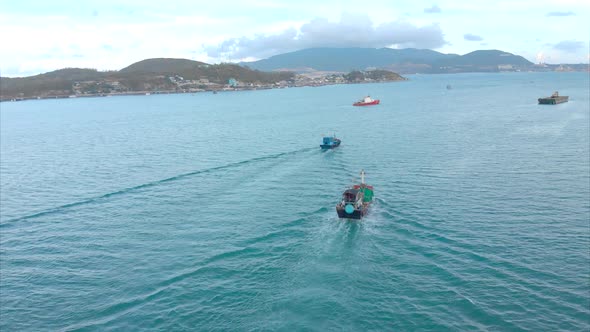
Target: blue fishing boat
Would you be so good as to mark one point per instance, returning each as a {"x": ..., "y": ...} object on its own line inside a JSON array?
[{"x": 330, "y": 142}]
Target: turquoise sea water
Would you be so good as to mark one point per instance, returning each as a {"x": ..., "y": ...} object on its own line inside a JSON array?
[{"x": 217, "y": 212}]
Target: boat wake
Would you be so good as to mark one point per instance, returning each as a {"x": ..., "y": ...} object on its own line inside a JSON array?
[
  {"x": 243, "y": 250},
  {"x": 124, "y": 191}
]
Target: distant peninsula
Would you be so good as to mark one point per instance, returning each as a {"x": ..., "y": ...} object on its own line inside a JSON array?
[{"x": 164, "y": 75}]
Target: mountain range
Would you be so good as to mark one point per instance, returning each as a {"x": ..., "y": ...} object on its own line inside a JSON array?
[{"x": 403, "y": 61}]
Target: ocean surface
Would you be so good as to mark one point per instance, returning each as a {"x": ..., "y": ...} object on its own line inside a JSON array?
[{"x": 216, "y": 212}]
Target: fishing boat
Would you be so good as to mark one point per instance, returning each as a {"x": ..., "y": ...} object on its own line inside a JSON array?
[
  {"x": 355, "y": 200},
  {"x": 554, "y": 99},
  {"x": 330, "y": 142},
  {"x": 367, "y": 101}
]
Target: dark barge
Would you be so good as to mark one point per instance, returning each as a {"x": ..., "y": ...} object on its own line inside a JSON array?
[{"x": 554, "y": 99}]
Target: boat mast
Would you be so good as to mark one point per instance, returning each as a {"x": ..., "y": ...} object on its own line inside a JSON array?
[{"x": 362, "y": 176}]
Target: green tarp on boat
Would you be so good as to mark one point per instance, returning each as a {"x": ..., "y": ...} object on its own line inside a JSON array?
[{"x": 368, "y": 194}]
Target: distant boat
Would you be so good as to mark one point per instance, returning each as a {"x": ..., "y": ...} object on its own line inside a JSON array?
[
  {"x": 554, "y": 99},
  {"x": 330, "y": 142},
  {"x": 355, "y": 200},
  {"x": 367, "y": 101},
  {"x": 449, "y": 87}
]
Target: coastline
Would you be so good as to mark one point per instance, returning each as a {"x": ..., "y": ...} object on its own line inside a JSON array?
[
  {"x": 219, "y": 88},
  {"x": 301, "y": 81}
]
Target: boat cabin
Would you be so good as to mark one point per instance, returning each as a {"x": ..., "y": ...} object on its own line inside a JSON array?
[
  {"x": 328, "y": 140},
  {"x": 352, "y": 195}
]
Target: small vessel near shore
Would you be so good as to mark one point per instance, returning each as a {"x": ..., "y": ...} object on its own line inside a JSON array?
[
  {"x": 367, "y": 101},
  {"x": 330, "y": 142},
  {"x": 355, "y": 200},
  {"x": 554, "y": 99}
]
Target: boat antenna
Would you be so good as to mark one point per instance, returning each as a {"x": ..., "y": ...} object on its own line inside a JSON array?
[{"x": 362, "y": 176}]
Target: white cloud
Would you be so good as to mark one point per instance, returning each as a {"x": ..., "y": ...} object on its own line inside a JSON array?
[
  {"x": 432, "y": 10},
  {"x": 570, "y": 13},
  {"x": 40, "y": 44},
  {"x": 472, "y": 37},
  {"x": 352, "y": 30}
]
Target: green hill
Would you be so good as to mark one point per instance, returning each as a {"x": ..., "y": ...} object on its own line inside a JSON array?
[
  {"x": 71, "y": 73},
  {"x": 487, "y": 58},
  {"x": 357, "y": 76},
  {"x": 58, "y": 82},
  {"x": 147, "y": 75},
  {"x": 195, "y": 70},
  {"x": 163, "y": 66}
]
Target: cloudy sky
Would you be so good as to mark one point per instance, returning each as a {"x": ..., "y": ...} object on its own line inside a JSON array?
[{"x": 40, "y": 36}]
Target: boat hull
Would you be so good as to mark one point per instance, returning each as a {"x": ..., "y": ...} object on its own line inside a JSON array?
[
  {"x": 329, "y": 146},
  {"x": 356, "y": 214},
  {"x": 553, "y": 100},
  {"x": 374, "y": 102}
]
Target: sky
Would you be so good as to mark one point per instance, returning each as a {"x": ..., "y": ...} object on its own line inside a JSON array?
[{"x": 41, "y": 36}]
